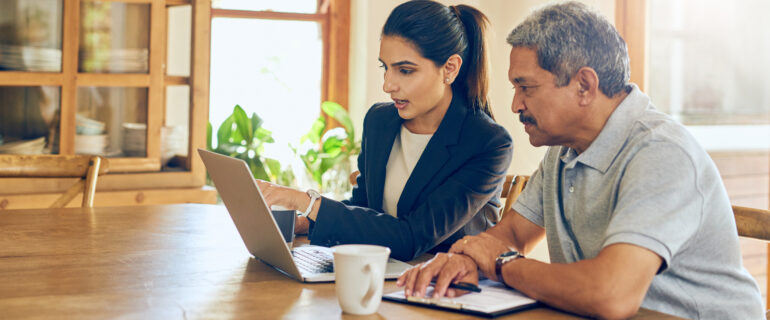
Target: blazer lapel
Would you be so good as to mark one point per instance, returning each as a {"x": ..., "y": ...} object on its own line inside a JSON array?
[
  {"x": 377, "y": 158},
  {"x": 435, "y": 155}
]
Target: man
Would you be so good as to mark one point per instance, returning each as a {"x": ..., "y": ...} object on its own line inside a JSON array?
[{"x": 633, "y": 208}]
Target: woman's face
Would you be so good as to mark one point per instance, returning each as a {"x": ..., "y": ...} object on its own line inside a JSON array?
[{"x": 415, "y": 83}]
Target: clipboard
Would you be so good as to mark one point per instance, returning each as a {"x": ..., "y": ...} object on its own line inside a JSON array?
[{"x": 495, "y": 299}]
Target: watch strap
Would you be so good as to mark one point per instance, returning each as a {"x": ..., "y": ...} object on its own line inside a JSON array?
[
  {"x": 313, "y": 197},
  {"x": 502, "y": 260},
  {"x": 499, "y": 269}
]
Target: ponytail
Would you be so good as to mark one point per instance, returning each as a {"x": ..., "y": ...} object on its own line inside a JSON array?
[
  {"x": 473, "y": 76},
  {"x": 438, "y": 31}
]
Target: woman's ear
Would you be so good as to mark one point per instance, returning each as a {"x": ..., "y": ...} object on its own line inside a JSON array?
[
  {"x": 588, "y": 85},
  {"x": 451, "y": 68}
]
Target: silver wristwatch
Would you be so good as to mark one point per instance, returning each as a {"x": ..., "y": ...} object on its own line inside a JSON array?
[
  {"x": 314, "y": 195},
  {"x": 503, "y": 259}
]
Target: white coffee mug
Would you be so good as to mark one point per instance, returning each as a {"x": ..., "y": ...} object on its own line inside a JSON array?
[{"x": 359, "y": 272}]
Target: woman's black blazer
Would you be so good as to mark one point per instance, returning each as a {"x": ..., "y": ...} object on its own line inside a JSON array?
[{"x": 453, "y": 190}]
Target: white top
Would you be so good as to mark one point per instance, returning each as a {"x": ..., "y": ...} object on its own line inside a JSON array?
[{"x": 406, "y": 151}]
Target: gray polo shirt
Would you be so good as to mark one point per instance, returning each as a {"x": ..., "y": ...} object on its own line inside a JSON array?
[{"x": 646, "y": 181}]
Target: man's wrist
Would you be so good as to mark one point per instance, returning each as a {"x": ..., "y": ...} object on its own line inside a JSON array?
[{"x": 504, "y": 259}]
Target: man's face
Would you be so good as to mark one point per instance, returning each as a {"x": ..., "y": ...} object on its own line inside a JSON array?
[{"x": 548, "y": 112}]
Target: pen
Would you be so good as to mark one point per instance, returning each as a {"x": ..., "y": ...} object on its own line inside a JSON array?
[{"x": 467, "y": 286}]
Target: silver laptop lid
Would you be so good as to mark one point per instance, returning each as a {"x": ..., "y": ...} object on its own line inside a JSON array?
[{"x": 249, "y": 211}]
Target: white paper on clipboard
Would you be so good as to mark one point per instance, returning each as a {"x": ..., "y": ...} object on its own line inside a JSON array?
[{"x": 494, "y": 298}]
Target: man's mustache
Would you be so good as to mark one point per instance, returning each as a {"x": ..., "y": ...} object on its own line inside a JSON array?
[{"x": 527, "y": 119}]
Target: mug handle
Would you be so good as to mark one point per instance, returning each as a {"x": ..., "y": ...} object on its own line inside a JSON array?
[{"x": 374, "y": 285}]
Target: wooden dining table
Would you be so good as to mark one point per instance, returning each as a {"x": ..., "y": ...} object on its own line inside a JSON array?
[{"x": 182, "y": 261}]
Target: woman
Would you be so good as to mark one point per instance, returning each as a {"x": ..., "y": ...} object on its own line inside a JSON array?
[{"x": 432, "y": 161}]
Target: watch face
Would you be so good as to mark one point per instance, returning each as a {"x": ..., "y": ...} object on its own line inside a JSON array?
[
  {"x": 509, "y": 254},
  {"x": 313, "y": 193}
]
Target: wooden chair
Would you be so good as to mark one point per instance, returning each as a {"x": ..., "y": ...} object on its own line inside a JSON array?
[
  {"x": 512, "y": 188},
  {"x": 754, "y": 224},
  {"x": 87, "y": 168},
  {"x": 353, "y": 177}
]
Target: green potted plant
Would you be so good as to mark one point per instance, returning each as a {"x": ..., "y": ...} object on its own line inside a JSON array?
[
  {"x": 243, "y": 137},
  {"x": 327, "y": 154}
]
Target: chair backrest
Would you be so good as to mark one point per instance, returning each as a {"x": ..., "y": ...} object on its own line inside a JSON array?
[
  {"x": 512, "y": 188},
  {"x": 353, "y": 177},
  {"x": 752, "y": 223},
  {"x": 755, "y": 224},
  {"x": 87, "y": 168}
]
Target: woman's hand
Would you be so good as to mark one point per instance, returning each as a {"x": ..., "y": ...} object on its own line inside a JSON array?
[
  {"x": 483, "y": 249},
  {"x": 289, "y": 198},
  {"x": 445, "y": 268}
]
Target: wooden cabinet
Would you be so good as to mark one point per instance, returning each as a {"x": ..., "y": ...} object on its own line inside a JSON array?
[{"x": 125, "y": 79}]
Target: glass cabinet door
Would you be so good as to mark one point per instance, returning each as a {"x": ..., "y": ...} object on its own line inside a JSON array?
[
  {"x": 31, "y": 35},
  {"x": 111, "y": 121},
  {"x": 114, "y": 37},
  {"x": 29, "y": 120},
  {"x": 80, "y": 77}
]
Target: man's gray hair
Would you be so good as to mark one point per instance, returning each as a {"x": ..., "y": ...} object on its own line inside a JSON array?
[{"x": 569, "y": 36}]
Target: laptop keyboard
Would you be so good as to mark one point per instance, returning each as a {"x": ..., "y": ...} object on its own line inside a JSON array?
[{"x": 313, "y": 260}]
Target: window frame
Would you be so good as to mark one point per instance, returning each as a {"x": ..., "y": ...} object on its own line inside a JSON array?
[
  {"x": 631, "y": 20},
  {"x": 334, "y": 17},
  {"x": 631, "y": 23}
]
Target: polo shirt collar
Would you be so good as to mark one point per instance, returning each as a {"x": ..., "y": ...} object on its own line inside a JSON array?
[{"x": 613, "y": 136}]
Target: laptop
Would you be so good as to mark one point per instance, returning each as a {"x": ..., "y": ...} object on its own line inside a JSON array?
[{"x": 260, "y": 232}]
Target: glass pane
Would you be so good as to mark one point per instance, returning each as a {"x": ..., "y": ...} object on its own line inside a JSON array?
[
  {"x": 277, "y": 74},
  {"x": 176, "y": 131},
  {"x": 111, "y": 121},
  {"x": 30, "y": 35},
  {"x": 707, "y": 73},
  {"x": 114, "y": 37},
  {"x": 29, "y": 120},
  {"x": 179, "y": 40},
  {"x": 296, "y": 6}
]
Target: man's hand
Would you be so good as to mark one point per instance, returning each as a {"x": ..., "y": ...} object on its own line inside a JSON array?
[
  {"x": 445, "y": 268},
  {"x": 483, "y": 249},
  {"x": 288, "y": 198}
]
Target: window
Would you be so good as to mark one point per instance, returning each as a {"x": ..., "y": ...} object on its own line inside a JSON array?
[
  {"x": 279, "y": 59},
  {"x": 704, "y": 63},
  {"x": 708, "y": 60}
]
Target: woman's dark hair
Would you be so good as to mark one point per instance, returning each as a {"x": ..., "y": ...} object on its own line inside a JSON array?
[{"x": 438, "y": 32}]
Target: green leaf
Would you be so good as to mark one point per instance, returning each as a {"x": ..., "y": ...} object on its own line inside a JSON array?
[
  {"x": 227, "y": 148},
  {"x": 311, "y": 156},
  {"x": 329, "y": 162},
  {"x": 225, "y": 131},
  {"x": 243, "y": 124},
  {"x": 256, "y": 121},
  {"x": 273, "y": 166},
  {"x": 316, "y": 130},
  {"x": 256, "y": 125},
  {"x": 208, "y": 136},
  {"x": 332, "y": 146},
  {"x": 264, "y": 135},
  {"x": 235, "y": 135},
  {"x": 336, "y": 111},
  {"x": 255, "y": 165}
]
